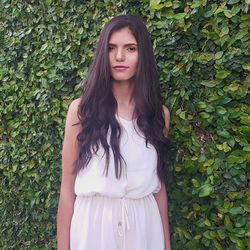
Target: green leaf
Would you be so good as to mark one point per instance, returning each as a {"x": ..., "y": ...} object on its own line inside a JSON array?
[
  {"x": 179, "y": 16},
  {"x": 235, "y": 239},
  {"x": 168, "y": 4},
  {"x": 207, "y": 235},
  {"x": 208, "y": 13},
  {"x": 247, "y": 148},
  {"x": 155, "y": 5},
  {"x": 80, "y": 30},
  {"x": 196, "y": 207},
  {"x": 44, "y": 46},
  {"x": 204, "y": 115},
  {"x": 207, "y": 222},
  {"x": 246, "y": 207},
  {"x": 229, "y": 13},
  {"x": 221, "y": 110},
  {"x": 221, "y": 234},
  {"x": 233, "y": 87},
  {"x": 195, "y": 183},
  {"x": 181, "y": 114},
  {"x": 228, "y": 224},
  {"x": 205, "y": 57},
  {"x": 217, "y": 245},
  {"x": 240, "y": 221},
  {"x": 233, "y": 1},
  {"x": 246, "y": 66},
  {"x": 48, "y": 2},
  {"x": 223, "y": 133},
  {"x": 218, "y": 55},
  {"x": 224, "y": 146},
  {"x": 221, "y": 74},
  {"x": 246, "y": 131},
  {"x": 205, "y": 190},
  {"x": 154, "y": 2},
  {"x": 244, "y": 118},
  {"x": 234, "y": 158},
  {"x": 224, "y": 31},
  {"x": 210, "y": 83},
  {"x": 201, "y": 105},
  {"x": 236, "y": 210}
]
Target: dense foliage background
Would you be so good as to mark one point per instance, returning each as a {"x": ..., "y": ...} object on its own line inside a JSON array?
[{"x": 202, "y": 50}]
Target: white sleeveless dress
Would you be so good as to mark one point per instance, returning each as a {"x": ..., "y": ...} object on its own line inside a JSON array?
[{"x": 113, "y": 214}]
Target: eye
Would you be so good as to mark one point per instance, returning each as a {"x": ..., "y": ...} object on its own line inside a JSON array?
[
  {"x": 132, "y": 49},
  {"x": 110, "y": 48}
]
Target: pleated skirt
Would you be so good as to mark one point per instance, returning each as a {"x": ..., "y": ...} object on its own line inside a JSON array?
[{"x": 104, "y": 223}]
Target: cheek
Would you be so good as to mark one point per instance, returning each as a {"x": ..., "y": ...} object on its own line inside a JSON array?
[
  {"x": 110, "y": 58},
  {"x": 135, "y": 61}
]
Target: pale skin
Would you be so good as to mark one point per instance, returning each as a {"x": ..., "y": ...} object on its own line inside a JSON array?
[
  {"x": 123, "y": 52},
  {"x": 67, "y": 195}
]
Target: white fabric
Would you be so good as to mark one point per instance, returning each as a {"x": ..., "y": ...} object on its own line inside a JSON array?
[{"x": 119, "y": 214}]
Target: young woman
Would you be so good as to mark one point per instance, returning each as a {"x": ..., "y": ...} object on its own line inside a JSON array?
[{"x": 113, "y": 194}]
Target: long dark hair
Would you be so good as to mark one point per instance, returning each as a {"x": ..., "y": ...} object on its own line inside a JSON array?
[{"x": 98, "y": 105}]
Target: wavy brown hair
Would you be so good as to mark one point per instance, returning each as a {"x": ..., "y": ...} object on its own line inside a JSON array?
[{"x": 98, "y": 105}]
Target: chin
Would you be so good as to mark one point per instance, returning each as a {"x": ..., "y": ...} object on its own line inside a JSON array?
[{"x": 123, "y": 79}]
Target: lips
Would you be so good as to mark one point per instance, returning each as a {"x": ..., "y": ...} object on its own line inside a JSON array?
[{"x": 120, "y": 67}]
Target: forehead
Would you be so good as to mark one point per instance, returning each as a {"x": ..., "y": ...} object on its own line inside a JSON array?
[{"x": 123, "y": 35}]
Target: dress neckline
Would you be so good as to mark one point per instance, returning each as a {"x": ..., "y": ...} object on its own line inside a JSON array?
[{"x": 124, "y": 120}]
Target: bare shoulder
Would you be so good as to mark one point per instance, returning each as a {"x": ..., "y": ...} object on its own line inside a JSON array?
[
  {"x": 166, "y": 112},
  {"x": 74, "y": 104},
  {"x": 73, "y": 125},
  {"x": 72, "y": 111},
  {"x": 76, "y": 101},
  {"x": 166, "y": 118}
]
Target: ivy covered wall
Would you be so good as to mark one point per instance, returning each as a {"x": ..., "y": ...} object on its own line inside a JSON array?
[{"x": 202, "y": 50}]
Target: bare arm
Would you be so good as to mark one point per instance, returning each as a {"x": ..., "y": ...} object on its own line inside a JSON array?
[
  {"x": 161, "y": 197},
  {"x": 67, "y": 195},
  {"x": 162, "y": 201}
]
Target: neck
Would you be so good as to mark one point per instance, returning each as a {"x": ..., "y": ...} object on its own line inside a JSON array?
[{"x": 123, "y": 91}]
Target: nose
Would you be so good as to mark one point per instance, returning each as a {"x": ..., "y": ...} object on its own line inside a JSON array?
[{"x": 119, "y": 55}]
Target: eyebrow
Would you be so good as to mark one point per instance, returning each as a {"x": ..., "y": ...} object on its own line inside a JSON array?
[{"x": 127, "y": 44}]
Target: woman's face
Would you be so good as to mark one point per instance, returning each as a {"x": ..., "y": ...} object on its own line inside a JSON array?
[{"x": 123, "y": 55}]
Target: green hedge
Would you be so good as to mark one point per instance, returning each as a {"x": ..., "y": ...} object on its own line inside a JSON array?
[{"x": 202, "y": 50}]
